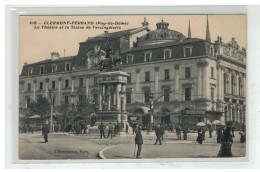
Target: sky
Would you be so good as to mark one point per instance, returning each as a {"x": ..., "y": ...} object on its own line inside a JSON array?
[{"x": 36, "y": 44}]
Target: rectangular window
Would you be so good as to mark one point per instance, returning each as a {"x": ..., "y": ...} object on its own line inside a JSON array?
[
  {"x": 146, "y": 96},
  {"x": 167, "y": 54},
  {"x": 147, "y": 57},
  {"x": 147, "y": 76},
  {"x": 187, "y": 72},
  {"x": 167, "y": 74},
  {"x": 95, "y": 80},
  {"x": 166, "y": 95},
  {"x": 54, "y": 68},
  {"x": 66, "y": 83},
  {"x": 128, "y": 97},
  {"x": 41, "y": 85},
  {"x": 42, "y": 70},
  {"x": 67, "y": 67},
  {"x": 129, "y": 78},
  {"x": 129, "y": 59},
  {"x": 66, "y": 100},
  {"x": 187, "y": 94},
  {"x": 80, "y": 82},
  {"x": 187, "y": 52},
  {"x": 53, "y": 85},
  {"x": 212, "y": 72},
  {"x": 212, "y": 93},
  {"x": 29, "y": 87}
]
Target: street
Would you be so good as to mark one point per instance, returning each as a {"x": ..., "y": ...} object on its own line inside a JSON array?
[{"x": 65, "y": 146}]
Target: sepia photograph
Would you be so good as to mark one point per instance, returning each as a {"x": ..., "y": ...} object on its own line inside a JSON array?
[{"x": 132, "y": 86}]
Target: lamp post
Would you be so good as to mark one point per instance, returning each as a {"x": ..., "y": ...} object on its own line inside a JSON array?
[
  {"x": 151, "y": 108},
  {"x": 122, "y": 94},
  {"x": 72, "y": 105}
]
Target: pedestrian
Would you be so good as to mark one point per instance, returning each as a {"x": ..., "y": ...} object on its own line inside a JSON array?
[
  {"x": 210, "y": 130},
  {"x": 138, "y": 141},
  {"x": 185, "y": 131},
  {"x": 126, "y": 129},
  {"x": 101, "y": 128},
  {"x": 158, "y": 134},
  {"x": 134, "y": 127},
  {"x": 219, "y": 134},
  {"x": 203, "y": 133},
  {"x": 243, "y": 134},
  {"x": 110, "y": 130},
  {"x": 178, "y": 132},
  {"x": 226, "y": 143},
  {"x": 45, "y": 132},
  {"x": 200, "y": 136},
  {"x": 162, "y": 130}
]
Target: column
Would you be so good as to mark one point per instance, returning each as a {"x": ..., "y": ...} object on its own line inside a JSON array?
[
  {"x": 72, "y": 84},
  {"x": 230, "y": 82},
  {"x": 87, "y": 86},
  {"x": 34, "y": 89},
  {"x": 103, "y": 97},
  {"x": 118, "y": 89},
  {"x": 199, "y": 80},
  {"x": 137, "y": 80},
  {"x": 244, "y": 85},
  {"x": 221, "y": 83},
  {"x": 124, "y": 90},
  {"x": 22, "y": 94},
  {"x": 219, "y": 78},
  {"x": 156, "y": 78},
  {"x": 47, "y": 87},
  {"x": 100, "y": 97},
  {"x": 59, "y": 91},
  {"x": 237, "y": 83},
  {"x": 109, "y": 98},
  {"x": 176, "y": 82}
]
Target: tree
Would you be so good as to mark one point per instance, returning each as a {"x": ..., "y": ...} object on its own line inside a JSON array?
[
  {"x": 42, "y": 107},
  {"x": 85, "y": 106}
]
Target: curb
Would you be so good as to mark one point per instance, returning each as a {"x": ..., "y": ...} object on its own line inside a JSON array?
[{"x": 101, "y": 155}]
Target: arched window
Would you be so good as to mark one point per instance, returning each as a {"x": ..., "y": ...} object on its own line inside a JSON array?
[
  {"x": 232, "y": 84},
  {"x": 239, "y": 87},
  {"x": 225, "y": 83}
]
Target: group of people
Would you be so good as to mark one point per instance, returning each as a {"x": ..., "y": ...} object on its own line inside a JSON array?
[
  {"x": 112, "y": 129},
  {"x": 26, "y": 128}
]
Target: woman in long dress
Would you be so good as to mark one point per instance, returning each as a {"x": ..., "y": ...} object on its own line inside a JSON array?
[
  {"x": 200, "y": 137},
  {"x": 226, "y": 143}
]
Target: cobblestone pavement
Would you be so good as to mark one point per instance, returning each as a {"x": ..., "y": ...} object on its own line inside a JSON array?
[{"x": 70, "y": 146}]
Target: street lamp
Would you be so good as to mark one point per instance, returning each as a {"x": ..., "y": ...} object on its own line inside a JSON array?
[
  {"x": 151, "y": 108},
  {"x": 122, "y": 95}
]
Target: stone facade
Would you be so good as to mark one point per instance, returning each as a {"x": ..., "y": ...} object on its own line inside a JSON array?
[{"x": 209, "y": 78}]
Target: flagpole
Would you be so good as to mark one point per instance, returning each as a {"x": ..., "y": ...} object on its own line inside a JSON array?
[{"x": 51, "y": 127}]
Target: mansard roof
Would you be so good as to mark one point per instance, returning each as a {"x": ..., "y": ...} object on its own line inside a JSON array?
[{"x": 186, "y": 41}]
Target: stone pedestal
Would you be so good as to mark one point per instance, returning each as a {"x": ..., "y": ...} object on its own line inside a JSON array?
[{"x": 112, "y": 98}]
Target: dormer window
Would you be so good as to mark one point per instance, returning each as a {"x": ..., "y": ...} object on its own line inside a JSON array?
[
  {"x": 41, "y": 69},
  {"x": 211, "y": 50},
  {"x": 54, "y": 68},
  {"x": 147, "y": 56},
  {"x": 167, "y": 54},
  {"x": 30, "y": 70},
  {"x": 67, "y": 67},
  {"x": 187, "y": 51},
  {"x": 129, "y": 58}
]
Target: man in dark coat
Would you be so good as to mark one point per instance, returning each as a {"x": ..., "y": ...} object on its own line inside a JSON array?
[
  {"x": 178, "y": 132},
  {"x": 126, "y": 129},
  {"x": 158, "y": 135},
  {"x": 210, "y": 130},
  {"x": 101, "y": 128},
  {"x": 185, "y": 132},
  {"x": 200, "y": 136},
  {"x": 203, "y": 133},
  {"x": 138, "y": 141},
  {"x": 134, "y": 127},
  {"x": 162, "y": 130},
  {"x": 45, "y": 132},
  {"x": 110, "y": 130}
]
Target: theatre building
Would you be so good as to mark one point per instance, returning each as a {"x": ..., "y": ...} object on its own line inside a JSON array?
[{"x": 173, "y": 77}]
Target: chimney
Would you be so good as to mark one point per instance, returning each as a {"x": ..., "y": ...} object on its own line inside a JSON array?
[{"x": 55, "y": 55}]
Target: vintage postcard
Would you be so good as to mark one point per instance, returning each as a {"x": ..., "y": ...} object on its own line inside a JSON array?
[{"x": 132, "y": 86}]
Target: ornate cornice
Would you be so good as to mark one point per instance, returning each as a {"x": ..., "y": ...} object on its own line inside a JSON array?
[{"x": 203, "y": 63}]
